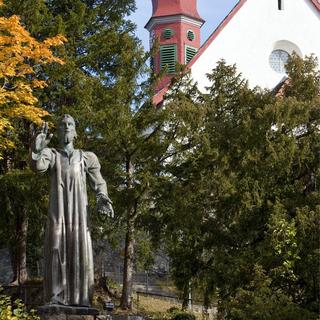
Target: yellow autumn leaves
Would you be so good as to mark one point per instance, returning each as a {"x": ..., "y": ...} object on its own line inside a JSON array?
[
  {"x": 10, "y": 310},
  {"x": 9, "y": 314},
  {"x": 20, "y": 54}
]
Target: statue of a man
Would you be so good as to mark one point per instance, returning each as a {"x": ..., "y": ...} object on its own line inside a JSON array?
[{"x": 68, "y": 269}]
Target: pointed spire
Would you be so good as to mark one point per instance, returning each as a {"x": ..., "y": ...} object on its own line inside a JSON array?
[
  {"x": 175, "y": 7},
  {"x": 176, "y": 25}
]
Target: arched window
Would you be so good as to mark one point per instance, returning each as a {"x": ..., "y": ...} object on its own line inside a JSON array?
[{"x": 280, "y": 4}]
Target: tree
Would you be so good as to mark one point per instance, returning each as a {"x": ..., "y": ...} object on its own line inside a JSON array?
[
  {"x": 20, "y": 57},
  {"x": 23, "y": 209},
  {"x": 175, "y": 214},
  {"x": 135, "y": 143},
  {"x": 251, "y": 224},
  {"x": 98, "y": 84}
]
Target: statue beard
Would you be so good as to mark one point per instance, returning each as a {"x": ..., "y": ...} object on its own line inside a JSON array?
[{"x": 68, "y": 138}]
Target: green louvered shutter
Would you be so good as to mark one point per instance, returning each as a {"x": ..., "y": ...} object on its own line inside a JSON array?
[
  {"x": 168, "y": 57},
  {"x": 190, "y": 53}
]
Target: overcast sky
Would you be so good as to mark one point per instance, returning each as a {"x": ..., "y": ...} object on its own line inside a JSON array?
[{"x": 213, "y": 11}]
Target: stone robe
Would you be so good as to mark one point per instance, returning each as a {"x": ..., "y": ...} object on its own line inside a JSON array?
[{"x": 68, "y": 267}]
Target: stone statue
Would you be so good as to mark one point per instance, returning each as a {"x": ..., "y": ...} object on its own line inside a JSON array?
[{"x": 68, "y": 269}]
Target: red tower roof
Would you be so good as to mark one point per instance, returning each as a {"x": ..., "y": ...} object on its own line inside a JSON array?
[{"x": 175, "y": 7}]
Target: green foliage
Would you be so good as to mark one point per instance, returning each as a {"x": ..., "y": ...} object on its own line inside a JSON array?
[
  {"x": 258, "y": 300},
  {"x": 144, "y": 252},
  {"x": 232, "y": 177},
  {"x": 102, "y": 56},
  {"x": 246, "y": 194},
  {"x": 17, "y": 195},
  {"x": 174, "y": 313},
  {"x": 182, "y": 315},
  {"x": 14, "y": 310},
  {"x": 304, "y": 78},
  {"x": 98, "y": 84}
]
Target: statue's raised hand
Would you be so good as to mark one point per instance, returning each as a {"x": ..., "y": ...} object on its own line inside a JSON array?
[{"x": 42, "y": 140}]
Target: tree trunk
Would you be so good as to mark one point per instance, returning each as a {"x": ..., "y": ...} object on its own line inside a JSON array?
[
  {"x": 185, "y": 296},
  {"x": 19, "y": 249},
  {"x": 126, "y": 298}
]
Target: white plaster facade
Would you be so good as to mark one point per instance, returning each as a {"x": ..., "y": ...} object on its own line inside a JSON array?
[{"x": 253, "y": 32}]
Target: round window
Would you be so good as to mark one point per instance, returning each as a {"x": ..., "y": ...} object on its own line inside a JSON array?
[
  {"x": 190, "y": 35},
  {"x": 278, "y": 60},
  {"x": 167, "y": 33}
]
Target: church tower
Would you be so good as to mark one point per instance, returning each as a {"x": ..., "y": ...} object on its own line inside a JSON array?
[{"x": 176, "y": 26}]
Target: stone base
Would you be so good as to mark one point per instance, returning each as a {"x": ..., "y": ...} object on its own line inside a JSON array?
[{"x": 61, "y": 312}]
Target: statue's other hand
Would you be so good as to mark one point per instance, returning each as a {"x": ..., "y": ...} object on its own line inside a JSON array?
[
  {"x": 104, "y": 206},
  {"x": 42, "y": 139}
]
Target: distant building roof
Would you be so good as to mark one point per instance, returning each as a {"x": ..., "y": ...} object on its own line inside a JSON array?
[{"x": 176, "y": 6}]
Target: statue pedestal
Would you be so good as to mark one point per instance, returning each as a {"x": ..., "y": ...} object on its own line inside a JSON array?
[{"x": 61, "y": 312}]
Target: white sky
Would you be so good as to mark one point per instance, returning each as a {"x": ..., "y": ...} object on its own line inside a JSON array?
[{"x": 213, "y": 11}]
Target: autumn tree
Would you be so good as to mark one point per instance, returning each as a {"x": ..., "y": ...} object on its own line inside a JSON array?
[{"x": 20, "y": 57}]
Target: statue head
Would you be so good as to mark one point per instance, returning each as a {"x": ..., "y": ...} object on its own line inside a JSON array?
[{"x": 66, "y": 129}]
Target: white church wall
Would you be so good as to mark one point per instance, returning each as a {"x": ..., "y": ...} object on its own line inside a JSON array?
[{"x": 254, "y": 32}]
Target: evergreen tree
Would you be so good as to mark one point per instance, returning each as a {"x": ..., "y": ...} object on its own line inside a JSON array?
[
  {"x": 98, "y": 84},
  {"x": 23, "y": 209},
  {"x": 102, "y": 58},
  {"x": 243, "y": 221},
  {"x": 135, "y": 143}
]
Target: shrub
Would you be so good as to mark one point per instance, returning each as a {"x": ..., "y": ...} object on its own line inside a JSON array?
[
  {"x": 176, "y": 314},
  {"x": 14, "y": 310},
  {"x": 262, "y": 301}
]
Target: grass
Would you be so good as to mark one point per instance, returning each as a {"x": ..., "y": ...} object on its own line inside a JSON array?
[
  {"x": 154, "y": 305},
  {"x": 155, "y": 308},
  {"x": 150, "y": 307}
]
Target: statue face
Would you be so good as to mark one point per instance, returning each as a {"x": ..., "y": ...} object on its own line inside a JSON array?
[{"x": 66, "y": 129}]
